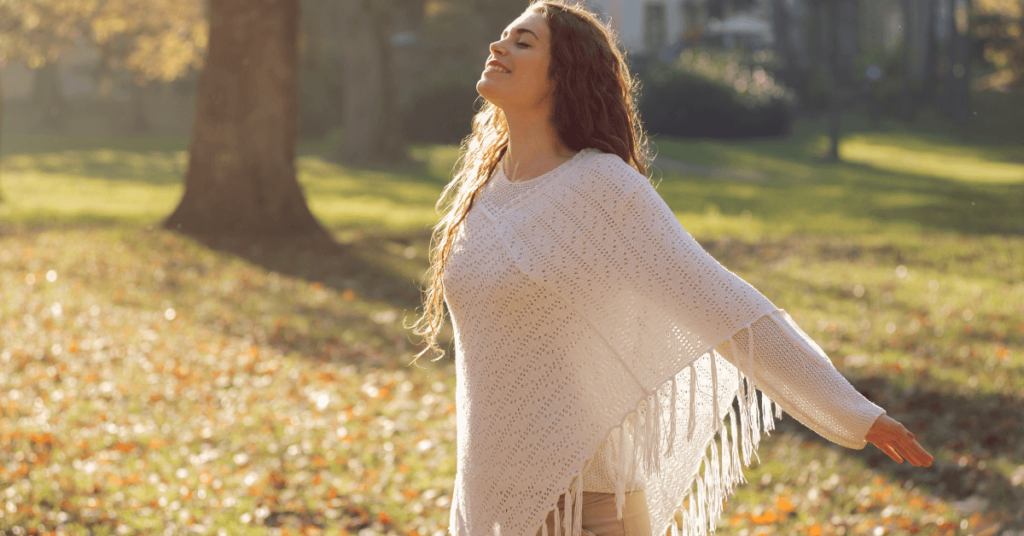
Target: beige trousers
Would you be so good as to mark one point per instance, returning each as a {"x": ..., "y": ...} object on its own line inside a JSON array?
[{"x": 599, "y": 515}]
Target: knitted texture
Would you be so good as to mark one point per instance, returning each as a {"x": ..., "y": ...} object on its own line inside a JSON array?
[
  {"x": 585, "y": 315},
  {"x": 785, "y": 362}
]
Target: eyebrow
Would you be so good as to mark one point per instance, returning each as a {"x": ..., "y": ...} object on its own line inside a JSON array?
[{"x": 520, "y": 31}]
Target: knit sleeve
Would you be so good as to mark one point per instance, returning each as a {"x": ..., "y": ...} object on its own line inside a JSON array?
[{"x": 789, "y": 367}]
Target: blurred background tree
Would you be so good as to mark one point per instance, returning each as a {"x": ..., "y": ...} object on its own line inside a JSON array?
[
  {"x": 376, "y": 76},
  {"x": 999, "y": 25},
  {"x": 365, "y": 34},
  {"x": 37, "y": 32},
  {"x": 413, "y": 65},
  {"x": 241, "y": 175},
  {"x": 146, "y": 40}
]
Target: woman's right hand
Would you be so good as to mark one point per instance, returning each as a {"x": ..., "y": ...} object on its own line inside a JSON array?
[{"x": 895, "y": 440}]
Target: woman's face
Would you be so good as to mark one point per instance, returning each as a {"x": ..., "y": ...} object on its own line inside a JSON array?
[{"x": 516, "y": 73}]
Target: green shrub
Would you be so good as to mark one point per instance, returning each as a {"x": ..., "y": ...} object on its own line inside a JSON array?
[{"x": 714, "y": 96}]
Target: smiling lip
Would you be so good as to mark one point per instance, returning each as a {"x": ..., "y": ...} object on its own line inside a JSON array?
[{"x": 496, "y": 63}]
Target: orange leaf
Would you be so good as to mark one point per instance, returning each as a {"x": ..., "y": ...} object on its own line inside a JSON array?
[
  {"x": 348, "y": 295},
  {"x": 124, "y": 447},
  {"x": 383, "y": 517},
  {"x": 783, "y": 504},
  {"x": 41, "y": 438},
  {"x": 814, "y": 530},
  {"x": 411, "y": 493},
  {"x": 767, "y": 518},
  {"x": 156, "y": 444}
]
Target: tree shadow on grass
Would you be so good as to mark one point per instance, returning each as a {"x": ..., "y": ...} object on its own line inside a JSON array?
[
  {"x": 336, "y": 265},
  {"x": 967, "y": 433},
  {"x": 344, "y": 300},
  {"x": 350, "y": 327},
  {"x": 969, "y": 208},
  {"x": 802, "y": 182},
  {"x": 150, "y": 167},
  {"x": 933, "y": 203}
]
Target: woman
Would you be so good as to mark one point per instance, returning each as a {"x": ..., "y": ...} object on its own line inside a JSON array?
[{"x": 606, "y": 364}]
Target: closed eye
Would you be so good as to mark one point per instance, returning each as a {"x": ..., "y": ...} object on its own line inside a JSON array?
[{"x": 522, "y": 45}]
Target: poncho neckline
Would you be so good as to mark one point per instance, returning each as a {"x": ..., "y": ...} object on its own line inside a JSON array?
[{"x": 499, "y": 173}]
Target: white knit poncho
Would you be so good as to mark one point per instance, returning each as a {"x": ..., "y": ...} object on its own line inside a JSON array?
[{"x": 587, "y": 321}]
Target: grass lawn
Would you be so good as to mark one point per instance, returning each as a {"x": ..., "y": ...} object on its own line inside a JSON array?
[{"x": 152, "y": 383}]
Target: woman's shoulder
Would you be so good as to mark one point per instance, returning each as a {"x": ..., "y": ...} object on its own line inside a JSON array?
[{"x": 608, "y": 170}]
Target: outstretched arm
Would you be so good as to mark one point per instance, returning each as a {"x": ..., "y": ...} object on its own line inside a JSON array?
[
  {"x": 790, "y": 368},
  {"x": 796, "y": 374}
]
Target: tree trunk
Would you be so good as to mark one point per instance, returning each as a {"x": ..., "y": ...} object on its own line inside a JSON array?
[
  {"x": 952, "y": 45},
  {"x": 830, "y": 12},
  {"x": 930, "y": 53},
  {"x": 846, "y": 41},
  {"x": 1, "y": 130},
  {"x": 907, "y": 100},
  {"x": 371, "y": 131},
  {"x": 48, "y": 96},
  {"x": 962, "y": 105},
  {"x": 241, "y": 174},
  {"x": 782, "y": 28},
  {"x": 139, "y": 120}
]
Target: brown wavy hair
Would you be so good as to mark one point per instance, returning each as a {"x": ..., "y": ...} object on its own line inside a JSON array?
[{"x": 594, "y": 106}]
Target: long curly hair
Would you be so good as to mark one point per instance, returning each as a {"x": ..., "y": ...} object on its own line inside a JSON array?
[{"x": 594, "y": 106}]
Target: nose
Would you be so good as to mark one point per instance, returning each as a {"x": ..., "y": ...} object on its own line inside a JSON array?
[{"x": 497, "y": 48}]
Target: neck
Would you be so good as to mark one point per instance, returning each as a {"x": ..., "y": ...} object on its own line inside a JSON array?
[{"x": 533, "y": 145}]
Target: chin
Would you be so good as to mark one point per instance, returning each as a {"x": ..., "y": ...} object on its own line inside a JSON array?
[{"x": 487, "y": 90}]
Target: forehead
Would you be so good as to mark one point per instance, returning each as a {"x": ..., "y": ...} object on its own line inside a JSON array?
[{"x": 530, "y": 20}]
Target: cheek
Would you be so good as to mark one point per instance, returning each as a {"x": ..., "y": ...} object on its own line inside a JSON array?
[{"x": 539, "y": 79}]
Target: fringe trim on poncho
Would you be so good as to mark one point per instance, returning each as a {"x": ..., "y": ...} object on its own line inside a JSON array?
[{"x": 719, "y": 471}]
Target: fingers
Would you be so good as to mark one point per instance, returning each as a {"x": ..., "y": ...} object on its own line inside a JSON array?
[
  {"x": 915, "y": 454},
  {"x": 887, "y": 448},
  {"x": 923, "y": 457}
]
